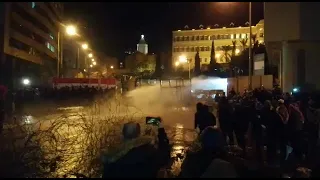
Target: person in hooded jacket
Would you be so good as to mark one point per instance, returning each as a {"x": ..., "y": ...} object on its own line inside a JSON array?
[
  {"x": 137, "y": 157},
  {"x": 271, "y": 122},
  {"x": 225, "y": 112},
  {"x": 204, "y": 118},
  {"x": 295, "y": 126},
  {"x": 282, "y": 128},
  {"x": 211, "y": 146},
  {"x": 257, "y": 129},
  {"x": 241, "y": 125}
]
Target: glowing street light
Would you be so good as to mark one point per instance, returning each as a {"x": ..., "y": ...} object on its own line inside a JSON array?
[
  {"x": 177, "y": 64},
  {"x": 111, "y": 67},
  {"x": 91, "y": 65},
  {"x": 84, "y": 46},
  {"x": 90, "y": 55},
  {"x": 94, "y": 63},
  {"x": 237, "y": 51},
  {"x": 183, "y": 59},
  {"x": 71, "y": 30},
  {"x": 92, "y": 60},
  {"x": 26, "y": 82}
]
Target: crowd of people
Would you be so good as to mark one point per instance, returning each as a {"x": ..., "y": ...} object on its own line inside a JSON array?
[
  {"x": 285, "y": 123},
  {"x": 281, "y": 129}
]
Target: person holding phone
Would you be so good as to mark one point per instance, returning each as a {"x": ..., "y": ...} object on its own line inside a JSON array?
[{"x": 137, "y": 156}]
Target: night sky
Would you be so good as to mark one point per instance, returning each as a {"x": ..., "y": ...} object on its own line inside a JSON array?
[{"x": 116, "y": 27}]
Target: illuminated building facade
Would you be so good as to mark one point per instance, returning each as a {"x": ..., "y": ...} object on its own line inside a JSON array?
[
  {"x": 29, "y": 41},
  {"x": 142, "y": 46},
  {"x": 188, "y": 42}
]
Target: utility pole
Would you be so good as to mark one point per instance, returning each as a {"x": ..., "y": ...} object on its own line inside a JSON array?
[{"x": 250, "y": 48}]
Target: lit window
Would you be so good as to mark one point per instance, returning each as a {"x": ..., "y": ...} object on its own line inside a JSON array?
[
  {"x": 33, "y": 4},
  {"x": 232, "y": 36},
  {"x": 50, "y": 47},
  {"x": 243, "y": 36},
  {"x": 237, "y": 36}
]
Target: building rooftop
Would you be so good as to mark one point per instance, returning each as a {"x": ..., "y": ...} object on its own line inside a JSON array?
[
  {"x": 216, "y": 27},
  {"x": 142, "y": 40}
]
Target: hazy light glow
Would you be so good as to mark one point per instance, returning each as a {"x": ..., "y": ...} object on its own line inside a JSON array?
[
  {"x": 71, "y": 30},
  {"x": 92, "y": 60},
  {"x": 94, "y": 63},
  {"x": 183, "y": 59},
  {"x": 90, "y": 65},
  {"x": 84, "y": 46},
  {"x": 111, "y": 67},
  {"x": 218, "y": 55},
  {"x": 211, "y": 83},
  {"x": 26, "y": 82},
  {"x": 177, "y": 63},
  {"x": 90, "y": 55},
  {"x": 142, "y": 36},
  {"x": 237, "y": 51}
]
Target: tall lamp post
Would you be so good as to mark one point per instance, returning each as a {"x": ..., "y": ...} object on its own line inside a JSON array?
[
  {"x": 250, "y": 48},
  {"x": 71, "y": 31},
  {"x": 84, "y": 47},
  {"x": 183, "y": 59}
]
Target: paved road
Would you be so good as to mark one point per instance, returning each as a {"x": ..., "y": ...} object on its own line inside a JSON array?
[{"x": 77, "y": 129}]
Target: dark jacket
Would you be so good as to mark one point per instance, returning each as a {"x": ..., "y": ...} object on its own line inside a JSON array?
[{"x": 204, "y": 119}]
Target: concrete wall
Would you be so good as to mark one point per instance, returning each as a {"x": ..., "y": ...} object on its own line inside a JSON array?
[
  {"x": 282, "y": 21},
  {"x": 309, "y": 16},
  {"x": 303, "y": 71}
]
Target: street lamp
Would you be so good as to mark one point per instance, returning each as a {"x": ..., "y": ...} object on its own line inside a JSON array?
[
  {"x": 94, "y": 63},
  {"x": 71, "y": 30},
  {"x": 111, "y": 67},
  {"x": 91, "y": 65},
  {"x": 84, "y": 46},
  {"x": 26, "y": 82},
  {"x": 92, "y": 60},
  {"x": 250, "y": 48},
  {"x": 90, "y": 55},
  {"x": 183, "y": 59}
]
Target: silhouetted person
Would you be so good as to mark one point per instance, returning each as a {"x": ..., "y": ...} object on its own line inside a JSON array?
[
  {"x": 232, "y": 92},
  {"x": 137, "y": 157},
  {"x": 281, "y": 129},
  {"x": 257, "y": 129},
  {"x": 295, "y": 126},
  {"x": 241, "y": 124},
  {"x": 225, "y": 118},
  {"x": 204, "y": 118}
]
